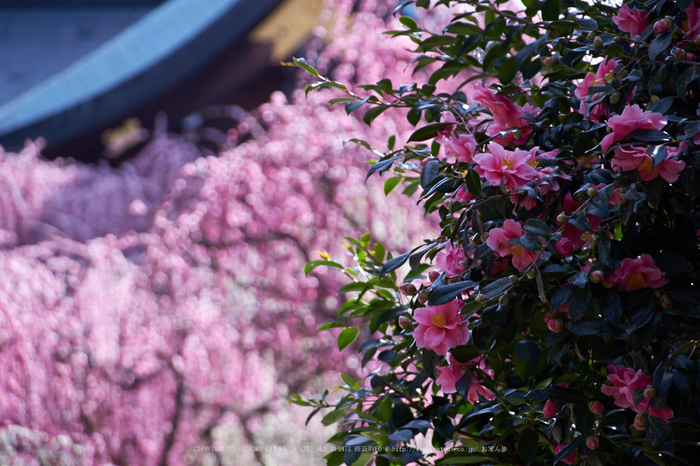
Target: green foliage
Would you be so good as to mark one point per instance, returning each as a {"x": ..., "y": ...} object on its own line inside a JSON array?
[{"x": 594, "y": 280}]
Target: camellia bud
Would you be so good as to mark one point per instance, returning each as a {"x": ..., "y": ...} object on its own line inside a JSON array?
[
  {"x": 532, "y": 273},
  {"x": 550, "y": 409},
  {"x": 615, "y": 98},
  {"x": 433, "y": 275},
  {"x": 405, "y": 323},
  {"x": 640, "y": 421},
  {"x": 660, "y": 27},
  {"x": 423, "y": 296},
  {"x": 596, "y": 407},
  {"x": 480, "y": 298},
  {"x": 665, "y": 301},
  {"x": 697, "y": 40},
  {"x": 596, "y": 276},
  {"x": 592, "y": 443},
  {"x": 593, "y": 192},
  {"x": 679, "y": 54},
  {"x": 623, "y": 74},
  {"x": 591, "y": 35},
  {"x": 610, "y": 77},
  {"x": 598, "y": 43},
  {"x": 654, "y": 98},
  {"x": 407, "y": 289},
  {"x": 513, "y": 278},
  {"x": 649, "y": 392},
  {"x": 562, "y": 218},
  {"x": 555, "y": 325}
]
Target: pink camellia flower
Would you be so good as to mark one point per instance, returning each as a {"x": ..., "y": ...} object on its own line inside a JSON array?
[
  {"x": 513, "y": 167},
  {"x": 624, "y": 381},
  {"x": 631, "y": 20},
  {"x": 505, "y": 112},
  {"x": 464, "y": 195},
  {"x": 440, "y": 327},
  {"x": 564, "y": 247},
  {"x": 448, "y": 260},
  {"x": 449, "y": 375},
  {"x": 498, "y": 241},
  {"x": 572, "y": 458},
  {"x": 597, "y": 79},
  {"x": 636, "y": 158},
  {"x": 573, "y": 234},
  {"x": 692, "y": 26},
  {"x": 550, "y": 409},
  {"x": 511, "y": 136},
  {"x": 632, "y": 118},
  {"x": 460, "y": 147},
  {"x": 638, "y": 273}
]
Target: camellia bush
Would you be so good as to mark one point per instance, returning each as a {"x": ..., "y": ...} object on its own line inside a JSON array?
[{"x": 556, "y": 316}]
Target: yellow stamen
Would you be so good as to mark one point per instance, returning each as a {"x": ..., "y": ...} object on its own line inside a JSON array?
[
  {"x": 438, "y": 320},
  {"x": 636, "y": 282},
  {"x": 533, "y": 163},
  {"x": 508, "y": 162}
]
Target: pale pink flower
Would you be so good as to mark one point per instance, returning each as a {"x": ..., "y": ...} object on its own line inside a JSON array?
[
  {"x": 632, "y": 118},
  {"x": 631, "y": 20},
  {"x": 624, "y": 381},
  {"x": 449, "y": 375},
  {"x": 636, "y": 158},
  {"x": 498, "y": 241},
  {"x": 460, "y": 147},
  {"x": 513, "y": 167},
  {"x": 638, "y": 273},
  {"x": 449, "y": 258},
  {"x": 597, "y": 79},
  {"x": 440, "y": 327}
]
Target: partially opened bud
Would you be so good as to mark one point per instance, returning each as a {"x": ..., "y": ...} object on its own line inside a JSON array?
[
  {"x": 423, "y": 296},
  {"x": 592, "y": 443},
  {"x": 640, "y": 421},
  {"x": 405, "y": 323},
  {"x": 407, "y": 289},
  {"x": 649, "y": 392},
  {"x": 596, "y": 407},
  {"x": 433, "y": 275},
  {"x": 555, "y": 325},
  {"x": 596, "y": 276},
  {"x": 665, "y": 301},
  {"x": 660, "y": 27},
  {"x": 550, "y": 409}
]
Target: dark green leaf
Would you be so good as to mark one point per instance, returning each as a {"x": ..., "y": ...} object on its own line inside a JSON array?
[
  {"x": 428, "y": 131},
  {"x": 659, "y": 44},
  {"x": 394, "y": 264},
  {"x": 528, "y": 444},
  {"x": 658, "y": 431},
  {"x": 301, "y": 63},
  {"x": 550, "y": 10},
  {"x": 687, "y": 76},
  {"x": 589, "y": 327},
  {"x": 529, "y": 351},
  {"x": 496, "y": 287},
  {"x": 507, "y": 70},
  {"x": 447, "y": 293},
  {"x": 538, "y": 227},
  {"x": 431, "y": 170},
  {"x": 474, "y": 183}
]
